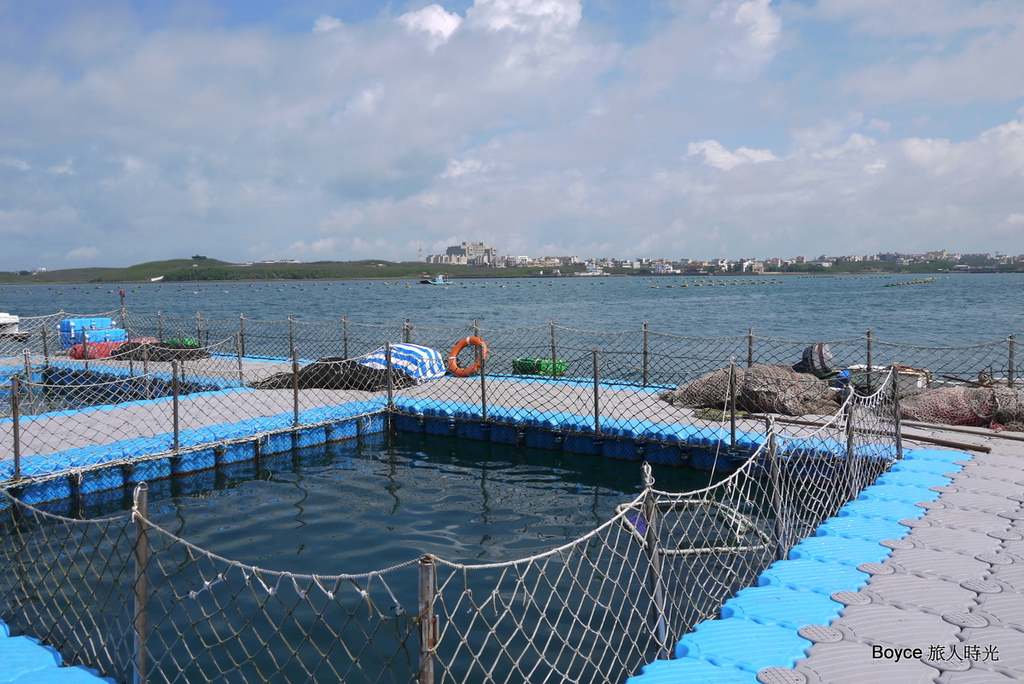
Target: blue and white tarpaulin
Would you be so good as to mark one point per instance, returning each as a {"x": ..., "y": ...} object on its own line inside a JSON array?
[{"x": 419, "y": 363}]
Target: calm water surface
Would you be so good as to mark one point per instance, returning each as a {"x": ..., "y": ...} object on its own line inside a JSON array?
[
  {"x": 956, "y": 309},
  {"x": 349, "y": 509},
  {"x": 358, "y": 506}
]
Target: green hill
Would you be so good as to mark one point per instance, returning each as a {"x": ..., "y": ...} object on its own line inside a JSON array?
[{"x": 179, "y": 270}]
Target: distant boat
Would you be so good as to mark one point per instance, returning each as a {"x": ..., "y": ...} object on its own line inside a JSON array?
[
  {"x": 156, "y": 280},
  {"x": 439, "y": 279}
]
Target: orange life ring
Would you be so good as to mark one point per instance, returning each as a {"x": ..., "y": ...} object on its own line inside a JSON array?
[{"x": 453, "y": 358}]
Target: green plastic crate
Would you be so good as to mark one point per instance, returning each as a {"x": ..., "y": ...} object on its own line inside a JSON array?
[{"x": 538, "y": 367}]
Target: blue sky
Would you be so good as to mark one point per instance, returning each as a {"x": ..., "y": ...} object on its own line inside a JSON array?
[{"x": 349, "y": 129}]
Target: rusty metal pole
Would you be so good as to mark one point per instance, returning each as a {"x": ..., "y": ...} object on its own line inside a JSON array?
[
  {"x": 483, "y": 387},
  {"x": 15, "y": 416},
  {"x": 140, "y": 623},
  {"x": 554, "y": 357},
  {"x": 241, "y": 334},
  {"x": 897, "y": 422},
  {"x": 732, "y": 405},
  {"x": 1011, "y": 366},
  {"x": 295, "y": 388},
  {"x": 344, "y": 335},
  {"x": 388, "y": 375},
  {"x": 175, "y": 390},
  {"x": 427, "y": 621},
  {"x": 647, "y": 353},
  {"x": 871, "y": 353},
  {"x": 777, "y": 499},
  {"x": 652, "y": 548}
]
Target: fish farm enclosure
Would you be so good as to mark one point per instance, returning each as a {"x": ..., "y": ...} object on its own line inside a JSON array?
[{"x": 191, "y": 400}]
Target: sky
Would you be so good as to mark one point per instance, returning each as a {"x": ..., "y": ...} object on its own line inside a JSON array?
[{"x": 140, "y": 130}]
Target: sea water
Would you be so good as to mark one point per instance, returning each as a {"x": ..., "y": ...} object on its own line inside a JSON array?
[
  {"x": 411, "y": 497},
  {"x": 951, "y": 310},
  {"x": 369, "y": 504}
]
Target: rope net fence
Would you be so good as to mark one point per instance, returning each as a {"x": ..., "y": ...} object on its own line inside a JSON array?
[
  {"x": 127, "y": 597},
  {"x": 186, "y": 383},
  {"x": 133, "y": 600}
]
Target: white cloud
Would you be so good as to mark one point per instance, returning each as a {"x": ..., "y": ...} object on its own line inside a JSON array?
[
  {"x": 434, "y": 21},
  {"x": 18, "y": 164},
  {"x": 826, "y": 132},
  {"x": 716, "y": 155},
  {"x": 82, "y": 254},
  {"x": 536, "y": 125},
  {"x": 457, "y": 167},
  {"x": 326, "y": 23},
  {"x": 930, "y": 154},
  {"x": 527, "y": 16},
  {"x": 750, "y": 32},
  {"x": 64, "y": 169}
]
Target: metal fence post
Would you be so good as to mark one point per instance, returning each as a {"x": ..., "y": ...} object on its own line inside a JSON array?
[
  {"x": 750, "y": 347},
  {"x": 159, "y": 326},
  {"x": 175, "y": 389},
  {"x": 554, "y": 355},
  {"x": 199, "y": 329},
  {"x": 46, "y": 346},
  {"x": 291, "y": 335},
  {"x": 483, "y": 387},
  {"x": 647, "y": 351},
  {"x": 894, "y": 378},
  {"x": 27, "y": 361},
  {"x": 851, "y": 450},
  {"x": 140, "y": 622},
  {"x": 407, "y": 331},
  {"x": 653, "y": 551},
  {"x": 240, "y": 348},
  {"x": 1011, "y": 364},
  {"x": 16, "y": 428},
  {"x": 145, "y": 371},
  {"x": 777, "y": 504},
  {"x": 426, "y": 620},
  {"x": 295, "y": 388},
  {"x": 344, "y": 335},
  {"x": 388, "y": 375},
  {"x": 871, "y": 352},
  {"x": 241, "y": 334},
  {"x": 597, "y": 399},
  {"x": 732, "y": 405}
]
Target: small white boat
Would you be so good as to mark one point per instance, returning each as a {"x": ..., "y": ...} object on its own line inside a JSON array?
[
  {"x": 9, "y": 328},
  {"x": 156, "y": 280},
  {"x": 439, "y": 279}
]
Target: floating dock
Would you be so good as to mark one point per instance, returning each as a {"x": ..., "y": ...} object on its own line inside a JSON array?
[{"x": 921, "y": 579}]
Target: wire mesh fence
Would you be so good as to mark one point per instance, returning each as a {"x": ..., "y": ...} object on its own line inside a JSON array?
[
  {"x": 128, "y": 597},
  {"x": 188, "y": 382}
]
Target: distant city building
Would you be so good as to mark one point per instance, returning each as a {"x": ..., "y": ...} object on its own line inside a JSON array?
[
  {"x": 449, "y": 259},
  {"x": 476, "y": 253}
]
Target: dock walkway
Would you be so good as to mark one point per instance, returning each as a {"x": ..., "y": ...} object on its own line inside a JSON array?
[
  {"x": 919, "y": 580},
  {"x": 943, "y": 602}
]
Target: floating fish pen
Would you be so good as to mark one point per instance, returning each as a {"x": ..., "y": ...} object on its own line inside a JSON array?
[{"x": 594, "y": 609}]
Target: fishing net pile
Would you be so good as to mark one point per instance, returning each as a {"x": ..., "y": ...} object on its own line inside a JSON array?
[
  {"x": 759, "y": 389},
  {"x": 994, "y": 407},
  {"x": 337, "y": 374}
]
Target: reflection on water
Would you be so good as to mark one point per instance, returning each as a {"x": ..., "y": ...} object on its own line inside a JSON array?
[
  {"x": 953, "y": 310},
  {"x": 364, "y": 505}
]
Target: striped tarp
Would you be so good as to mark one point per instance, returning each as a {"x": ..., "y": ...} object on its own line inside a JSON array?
[{"x": 419, "y": 363}]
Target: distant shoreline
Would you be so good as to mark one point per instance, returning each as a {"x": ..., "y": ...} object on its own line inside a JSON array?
[{"x": 185, "y": 271}]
